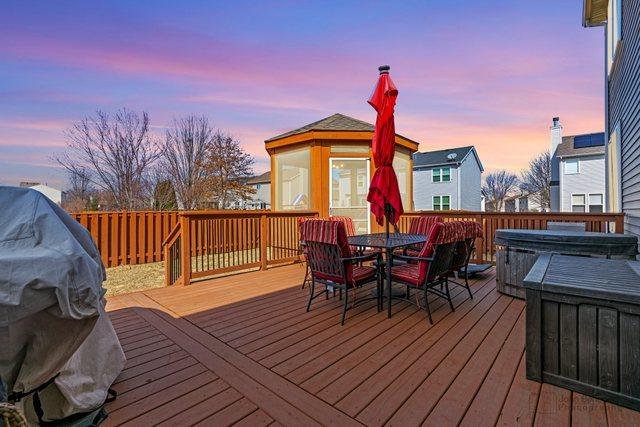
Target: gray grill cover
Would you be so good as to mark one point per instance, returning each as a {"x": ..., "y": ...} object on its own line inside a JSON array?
[{"x": 52, "y": 318}]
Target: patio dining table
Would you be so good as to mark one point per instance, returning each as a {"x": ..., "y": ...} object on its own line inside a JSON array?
[{"x": 388, "y": 244}]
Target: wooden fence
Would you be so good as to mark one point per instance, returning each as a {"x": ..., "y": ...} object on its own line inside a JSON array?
[{"x": 128, "y": 237}]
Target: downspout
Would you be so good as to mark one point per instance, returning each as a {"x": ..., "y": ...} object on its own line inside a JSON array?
[{"x": 459, "y": 170}]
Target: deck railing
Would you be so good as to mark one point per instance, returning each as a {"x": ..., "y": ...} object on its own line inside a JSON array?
[
  {"x": 492, "y": 221},
  {"x": 227, "y": 241},
  {"x": 208, "y": 243}
]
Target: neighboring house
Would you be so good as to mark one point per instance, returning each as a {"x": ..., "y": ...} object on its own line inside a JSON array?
[
  {"x": 447, "y": 180},
  {"x": 261, "y": 199},
  {"x": 521, "y": 203},
  {"x": 622, "y": 98},
  {"x": 52, "y": 194},
  {"x": 577, "y": 171}
]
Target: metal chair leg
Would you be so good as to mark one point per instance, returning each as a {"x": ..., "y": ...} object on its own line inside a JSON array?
[
  {"x": 313, "y": 287},
  {"x": 466, "y": 282},
  {"x": 426, "y": 305},
  {"x": 306, "y": 277},
  {"x": 344, "y": 309},
  {"x": 446, "y": 286}
]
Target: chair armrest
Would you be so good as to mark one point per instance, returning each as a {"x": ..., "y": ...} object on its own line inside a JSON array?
[
  {"x": 355, "y": 259},
  {"x": 413, "y": 258}
]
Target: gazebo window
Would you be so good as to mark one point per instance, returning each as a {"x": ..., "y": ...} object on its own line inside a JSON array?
[{"x": 292, "y": 180}]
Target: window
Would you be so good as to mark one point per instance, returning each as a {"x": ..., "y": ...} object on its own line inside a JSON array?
[
  {"x": 595, "y": 203},
  {"x": 402, "y": 166},
  {"x": 441, "y": 175},
  {"x": 571, "y": 167},
  {"x": 292, "y": 180},
  {"x": 614, "y": 30},
  {"x": 578, "y": 203},
  {"x": 441, "y": 203}
]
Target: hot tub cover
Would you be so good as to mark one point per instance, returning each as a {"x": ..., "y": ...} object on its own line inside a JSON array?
[{"x": 52, "y": 319}]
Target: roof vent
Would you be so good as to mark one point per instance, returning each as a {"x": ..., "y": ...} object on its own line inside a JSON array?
[{"x": 452, "y": 156}]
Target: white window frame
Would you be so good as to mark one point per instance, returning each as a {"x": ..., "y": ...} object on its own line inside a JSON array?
[
  {"x": 614, "y": 31},
  {"x": 576, "y": 161},
  {"x": 440, "y": 175},
  {"x": 440, "y": 204},
  {"x": 589, "y": 204},
  {"x": 586, "y": 201}
]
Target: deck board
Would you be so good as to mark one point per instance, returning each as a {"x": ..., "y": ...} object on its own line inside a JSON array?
[{"x": 243, "y": 350}]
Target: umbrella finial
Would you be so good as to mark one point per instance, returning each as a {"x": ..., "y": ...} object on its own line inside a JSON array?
[{"x": 384, "y": 69}]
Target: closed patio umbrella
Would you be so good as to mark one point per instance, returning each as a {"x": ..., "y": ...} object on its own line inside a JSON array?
[{"x": 384, "y": 194}]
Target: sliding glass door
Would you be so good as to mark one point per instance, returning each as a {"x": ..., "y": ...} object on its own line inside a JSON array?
[{"x": 349, "y": 185}]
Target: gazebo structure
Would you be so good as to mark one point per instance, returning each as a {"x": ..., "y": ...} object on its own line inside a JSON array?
[{"x": 327, "y": 165}]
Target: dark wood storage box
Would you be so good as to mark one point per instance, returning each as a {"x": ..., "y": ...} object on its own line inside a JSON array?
[
  {"x": 518, "y": 250},
  {"x": 583, "y": 326}
]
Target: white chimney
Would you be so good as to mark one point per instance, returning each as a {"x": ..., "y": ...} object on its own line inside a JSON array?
[{"x": 556, "y": 134}]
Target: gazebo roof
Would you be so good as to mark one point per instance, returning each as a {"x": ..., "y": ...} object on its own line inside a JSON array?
[
  {"x": 336, "y": 122},
  {"x": 338, "y": 127}
]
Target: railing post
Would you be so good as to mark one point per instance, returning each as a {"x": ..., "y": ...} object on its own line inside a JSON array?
[
  {"x": 264, "y": 235},
  {"x": 167, "y": 266},
  {"x": 619, "y": 224},
  {"x": 480, "y": 245},
  {"x": 185, "y": 249}
]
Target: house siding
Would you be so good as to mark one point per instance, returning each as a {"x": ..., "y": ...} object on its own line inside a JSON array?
[
  {"x": 470, "y": 185},
  {"x": 589, "y": 180},
  {"x": 624, "y": 108},
  {"x": 424, "y": 188}
]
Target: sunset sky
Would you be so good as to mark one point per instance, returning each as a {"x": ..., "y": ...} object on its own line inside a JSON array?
[{"x": 485, "y": 73}]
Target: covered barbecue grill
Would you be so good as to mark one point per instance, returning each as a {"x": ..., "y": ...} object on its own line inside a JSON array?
[{"x": 55, "y": 336}]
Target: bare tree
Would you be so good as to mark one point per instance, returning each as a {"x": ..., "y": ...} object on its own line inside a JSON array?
[
  {"x": 117, "y": 151},
  {"x": 80, "y": 194},
  {"x": 159, "y": 190},
  {"x": 497, "y": 187},
  {"x": 184, "y": 151},
  {"x": 227, "y": 166},
  {"x": 536, "y": 181}
]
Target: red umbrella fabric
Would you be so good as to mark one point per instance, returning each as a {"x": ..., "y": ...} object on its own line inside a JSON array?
[{"x": 384, "y": 185}]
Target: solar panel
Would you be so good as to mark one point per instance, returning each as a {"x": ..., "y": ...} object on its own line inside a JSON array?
[{"x": 590, "y": 140}]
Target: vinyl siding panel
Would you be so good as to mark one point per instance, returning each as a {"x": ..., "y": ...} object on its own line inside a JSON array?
[
  {"x": 590, "y": 180},
  {"x": 424, "y": 189},
  {"x": 470, "y": 184},
  {"x": 624, "y": 108}
]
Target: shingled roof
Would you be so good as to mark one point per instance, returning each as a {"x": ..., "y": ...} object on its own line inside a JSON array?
[
  {"x": 567, "y": 149},
  {"x": 441, "y": 157},
  {"x": 264, "y": 178},
  {"x": 336, "y": 122}
]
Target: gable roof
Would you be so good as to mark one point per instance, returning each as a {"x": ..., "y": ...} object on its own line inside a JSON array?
[
  {"x": 336, "y": 122},
  {"x": 264, "y": 178},
  {"x": 567, "y": 149},
  {"x": 441, "y": 157}
]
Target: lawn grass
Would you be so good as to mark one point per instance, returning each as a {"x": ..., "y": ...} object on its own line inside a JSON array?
[{"x": 132, "y": 278}]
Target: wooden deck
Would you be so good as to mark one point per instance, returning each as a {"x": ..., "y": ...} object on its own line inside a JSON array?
[{"x": 243, "y": 350}]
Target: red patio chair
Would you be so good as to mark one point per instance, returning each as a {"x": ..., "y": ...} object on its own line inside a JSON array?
[
  {"x": 307, "y": 273},
  {"x": 427, "y": 271},
  {"x": 420, "y": 225},
  {"x": 471, "y": 230},
  {"x": 332, "y": 264},
  {"x": 349, "y": 225}
]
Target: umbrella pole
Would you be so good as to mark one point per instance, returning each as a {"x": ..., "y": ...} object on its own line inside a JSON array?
[{"x": 387, "y": 214}]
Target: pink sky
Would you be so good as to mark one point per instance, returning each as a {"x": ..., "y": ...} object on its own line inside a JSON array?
[{"x": 489, "y": 74}]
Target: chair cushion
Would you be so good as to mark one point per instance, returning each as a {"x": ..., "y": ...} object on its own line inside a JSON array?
[
  {"x": 360, "y": 274},
  {"x": 407, "y": 273}
]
